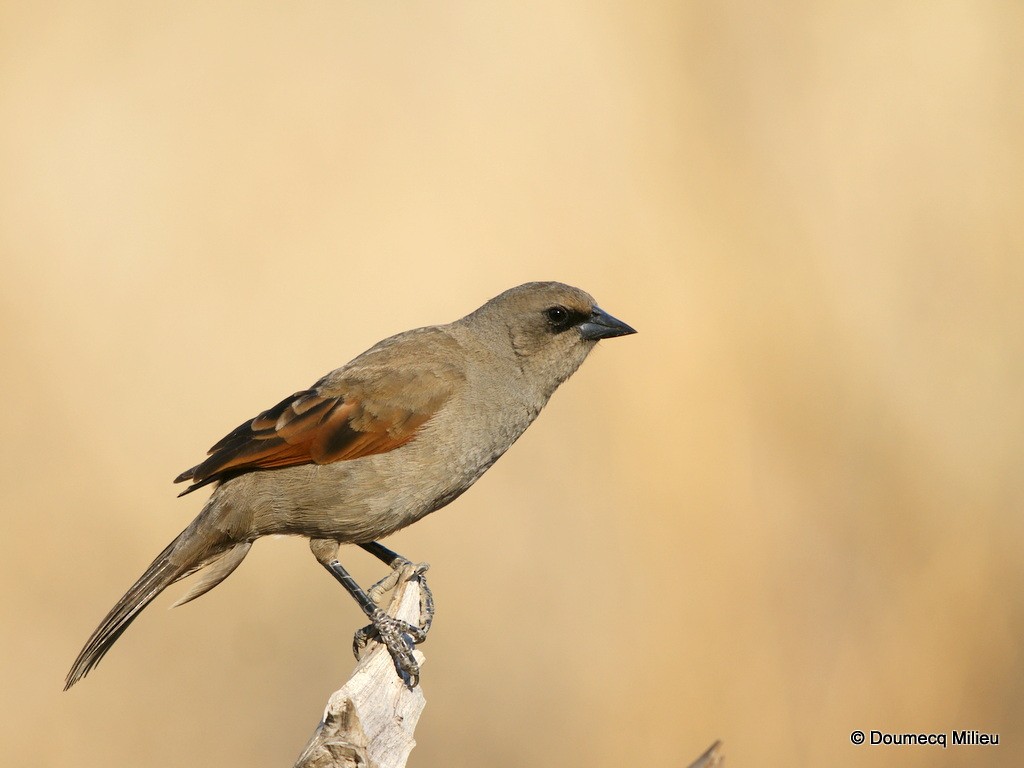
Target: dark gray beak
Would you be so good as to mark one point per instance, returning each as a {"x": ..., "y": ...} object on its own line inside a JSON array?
[{"x": 601, "y": 325}]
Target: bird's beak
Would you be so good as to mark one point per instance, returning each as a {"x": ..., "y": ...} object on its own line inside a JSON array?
[{"x": 601, "y": 325}]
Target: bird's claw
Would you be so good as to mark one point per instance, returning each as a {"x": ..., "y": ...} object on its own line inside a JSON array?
[
  {"x": 398, "y": 569},
  {"x": 399, "y": 637}
]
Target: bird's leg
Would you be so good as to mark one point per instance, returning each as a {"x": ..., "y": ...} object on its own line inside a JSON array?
[
  {"x": 385, "y": 555},
  {"x": 393, "y": 559},
  {"x": 396, "y": 561},
  {"x": 398, "y": 564},
  {"x": 398, "y": 636}
]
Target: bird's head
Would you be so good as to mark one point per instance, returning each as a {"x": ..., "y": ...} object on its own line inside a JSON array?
[{"x": 551, "y": 327}]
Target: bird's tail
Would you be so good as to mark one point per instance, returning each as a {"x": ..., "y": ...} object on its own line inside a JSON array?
[{"x": 189, "y": 552}]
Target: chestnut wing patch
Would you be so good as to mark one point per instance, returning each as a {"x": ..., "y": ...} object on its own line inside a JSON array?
[{"x": 314, "y": 428}]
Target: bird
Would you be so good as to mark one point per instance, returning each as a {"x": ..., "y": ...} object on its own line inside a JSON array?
[{"x": 397, "y": 433}]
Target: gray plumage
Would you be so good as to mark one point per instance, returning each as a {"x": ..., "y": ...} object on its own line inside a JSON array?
[{"x": 397, "y": 433}]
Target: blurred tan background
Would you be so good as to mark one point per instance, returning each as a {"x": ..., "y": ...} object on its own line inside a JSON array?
[{"x": 790, "y": 507}]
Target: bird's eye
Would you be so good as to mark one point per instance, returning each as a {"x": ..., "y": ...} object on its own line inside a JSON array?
[{"x": 557, "y": 315}]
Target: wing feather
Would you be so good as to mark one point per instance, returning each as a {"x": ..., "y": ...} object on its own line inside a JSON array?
[{"x": 356, "y": 411}]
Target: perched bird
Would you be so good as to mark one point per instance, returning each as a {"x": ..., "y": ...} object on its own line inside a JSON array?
[{"x": 400, "y": 431}]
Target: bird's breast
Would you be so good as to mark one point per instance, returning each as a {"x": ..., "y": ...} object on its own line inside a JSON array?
[{"x": 370, "y": 497}]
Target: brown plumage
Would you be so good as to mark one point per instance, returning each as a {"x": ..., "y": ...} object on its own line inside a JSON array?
[
  {"x": 311, "y": 427},
  {"x": 400, "y": 431}
]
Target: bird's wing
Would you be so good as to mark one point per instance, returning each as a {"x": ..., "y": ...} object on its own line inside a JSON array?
[{"x": 356, "y": 411}]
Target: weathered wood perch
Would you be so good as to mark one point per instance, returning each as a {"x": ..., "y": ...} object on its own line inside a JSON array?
[
  {"x": 712, "y": 758},
  {"x": 369, "y": 721}
]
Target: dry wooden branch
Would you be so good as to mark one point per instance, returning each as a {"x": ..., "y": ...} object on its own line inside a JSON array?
[
  {"x": 369, "y": 722},
  {"x": 713, "y": 758}
]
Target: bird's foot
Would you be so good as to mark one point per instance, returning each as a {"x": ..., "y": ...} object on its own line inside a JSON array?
[
  {"x": 399, "y": 637},
  {"x": 409, "y": 570},
  {"x": 389, "y": 582}
]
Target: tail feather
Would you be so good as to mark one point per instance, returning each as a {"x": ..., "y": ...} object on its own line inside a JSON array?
[
  {"x": 183, "y": 556},
  {"x": 216, "y": 571}
]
